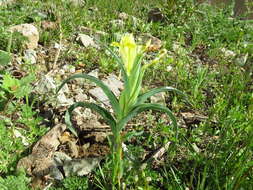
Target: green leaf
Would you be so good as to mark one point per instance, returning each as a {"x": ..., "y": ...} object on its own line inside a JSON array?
[
  {"x": 27, "y": 79},
  {"x": 5, "y": 57},
  {"x": 22, "y": 91},
  {"x": 148, "y": 106},
  {"x": 133, "y": 99},
  {"x": 129, "y": 96},
  {"x": 9, "y": 83},
  {"x": 102, "y": 111},
  {"x": 135, "y": 74},
  {"x": 143, "y": 97},
  {"x": 112, "y": 98}
]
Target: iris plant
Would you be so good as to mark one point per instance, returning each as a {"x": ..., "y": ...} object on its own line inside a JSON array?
[{"x": 131, "y": 101}]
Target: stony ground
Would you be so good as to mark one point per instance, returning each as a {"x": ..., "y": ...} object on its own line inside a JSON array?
[{"x": 209, "y": 58}]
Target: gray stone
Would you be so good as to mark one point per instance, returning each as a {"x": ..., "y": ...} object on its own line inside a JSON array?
[
  {"x": 60, "y": 158},
  {"x": 81, "y": 97},
  {"x": 158, "y": 98},
  {"x": 17, "y": 134},
  {"x": 94, "y": 73},
  {"x": 30, "y": 56},
  {"x": 115, "y": 86},
  {"x": 86, "y": 41},
  {"x": 63, "y": 101},
  {"x": 100, "y": 95},
  {"x": 45, "y": 85},
  {"x": 228, "y": 53},
  {"x": 80, "y": 167},
  {"x": 123, "y": 16},
  {"x": 30, "y": 32}
]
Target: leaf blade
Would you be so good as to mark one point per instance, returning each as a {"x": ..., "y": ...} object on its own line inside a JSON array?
[
  {"x": 143, "y": 97},
  {"x": 112, "y": 98},
  {"x": 148, "y": 106},
  {"x": 102, "y": 111}
]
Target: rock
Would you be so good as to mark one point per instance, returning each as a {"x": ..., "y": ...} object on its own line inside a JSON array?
[
  {"x": 60, "y": 158},
  {"x": 113, "y": 83},
  {"x": 40, "y": 161},
  {"x": 80, "y": 167},
  {"x": 69, "y": 69},
  {"x": 94, "y": 73},
  {"x": 228, "y": 53},
  {"x": 63, "y": 101},
  {"x": 156, "y": 43},
  {"x": 58, "y": 46},
  {"x": 5, "y": 2},
  {"x": 30, "y": 32},
  {"x": 30, "y": 56},
  {"x": 117, "y": 23},
  {"x": 48, "y": 25},
  {"x": 158, "y": 98},
  {"x": 155, "y": 15},
  {"x": 45, "y": 85},
  {"x": 95, "y": 33},
  {"x": 17, "y": 134},
  {"x": 77, "y": 3},
  {"x": 86, "y": 41},
  {"x": 81, "y": 97},
  {"x": 123, "y": 16},
  {"x": 241, "y": 60},
  {"x": 100, "y": 96}
]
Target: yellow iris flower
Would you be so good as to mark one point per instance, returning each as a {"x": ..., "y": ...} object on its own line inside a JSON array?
[{"x": 128, "y": 51}]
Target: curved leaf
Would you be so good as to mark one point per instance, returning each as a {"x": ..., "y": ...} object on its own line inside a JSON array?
[
  {"x": 143, "y": 97},
  {"x": 112, "y": 98},
  {"x": 148, "y": 106},
  {"x": 102, "y": 111}
]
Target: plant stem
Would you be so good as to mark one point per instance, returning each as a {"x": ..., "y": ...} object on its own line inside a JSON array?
[{"x": 117, "y": 160}]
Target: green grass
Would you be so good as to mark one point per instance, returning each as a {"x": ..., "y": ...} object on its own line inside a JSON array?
[{"x": 219, "y": 87}]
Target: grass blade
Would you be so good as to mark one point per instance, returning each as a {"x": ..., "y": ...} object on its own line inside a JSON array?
[
  {"x": 112, "y": 98},
  {"x": 102, "y": 111}
]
